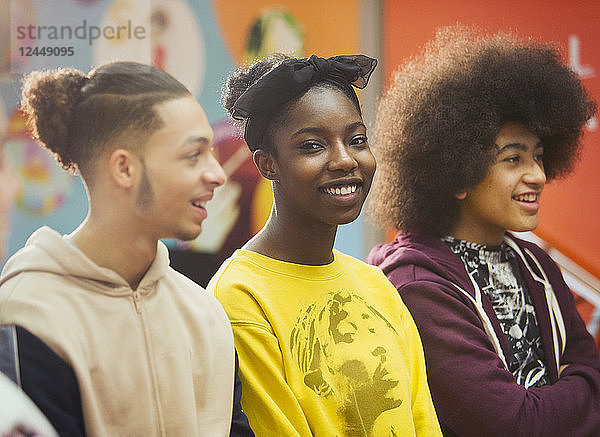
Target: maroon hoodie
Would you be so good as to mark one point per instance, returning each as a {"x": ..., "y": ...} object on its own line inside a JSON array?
[{"x": 473, "y": 393}]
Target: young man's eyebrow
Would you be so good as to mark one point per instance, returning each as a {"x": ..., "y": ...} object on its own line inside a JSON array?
[{"x": 196, "y": 139}]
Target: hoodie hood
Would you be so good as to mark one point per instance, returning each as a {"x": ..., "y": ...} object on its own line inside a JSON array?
[
  {"x": 46, "y": 251},
  {"x": 411, "y": 252}
]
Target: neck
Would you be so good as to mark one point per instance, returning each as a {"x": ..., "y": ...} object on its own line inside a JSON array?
[
  {"x": 288, "y": 240},
  {"x": 471, "y": 230},
  {"x": 116, "y": 246},
  {"x": 485, "y": 240}
]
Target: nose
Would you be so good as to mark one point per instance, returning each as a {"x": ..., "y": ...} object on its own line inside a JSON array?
[
  {"x": 341, "y": 158},
  {"x": 535, "y": 174},
  {"x": 214, "y": 175}
]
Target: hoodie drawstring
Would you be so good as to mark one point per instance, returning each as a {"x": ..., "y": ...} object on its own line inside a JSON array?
[
  {"x": 485, "y": 320},
  {"x": 556, "y": 320}
]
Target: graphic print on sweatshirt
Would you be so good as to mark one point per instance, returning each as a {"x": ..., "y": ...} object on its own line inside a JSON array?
[
  {"x": 495, "y": 271},
  {"x": 348, "y": 353}
]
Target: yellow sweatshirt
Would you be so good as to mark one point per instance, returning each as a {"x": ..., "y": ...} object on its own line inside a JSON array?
[{"x": 324, "y": 350}]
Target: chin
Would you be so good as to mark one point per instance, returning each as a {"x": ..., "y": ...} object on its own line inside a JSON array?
[
  {"x": 344, "y": 222},
  {"x": 525, "y": 227},
  {"x": 188, "y": 236},
  {"x": 347, "y": 218}
]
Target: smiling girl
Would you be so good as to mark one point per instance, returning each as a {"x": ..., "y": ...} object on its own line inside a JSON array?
[
  {"x": 326, "y": 346},
  {"x": 467, "y": 136}
]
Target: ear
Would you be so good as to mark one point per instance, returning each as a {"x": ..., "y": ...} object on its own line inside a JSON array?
[
  {"x": 461, "y": 196},
  {"x": 266, "y": 164},
  {"x": 123, "y": 167}
]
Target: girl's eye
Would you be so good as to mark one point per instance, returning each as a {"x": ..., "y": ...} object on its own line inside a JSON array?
[
  {"x": 513, "y": 159},
  {"x": 310, "y": 146},
  {"x": 358, "y": 140},
  {"x": 539, "y": 157}
]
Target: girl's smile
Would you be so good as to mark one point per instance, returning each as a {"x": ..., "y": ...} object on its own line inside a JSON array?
[{"x": 322, "y": 165}]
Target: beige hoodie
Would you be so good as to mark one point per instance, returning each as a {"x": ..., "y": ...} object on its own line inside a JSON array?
[{"x": 157, "y": 361}]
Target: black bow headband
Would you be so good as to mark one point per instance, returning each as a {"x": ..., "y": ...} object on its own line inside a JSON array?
[{"x": 258, "y": 104}]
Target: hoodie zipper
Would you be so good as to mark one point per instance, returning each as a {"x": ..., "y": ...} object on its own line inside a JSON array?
[{"x": 137, "y": 303}]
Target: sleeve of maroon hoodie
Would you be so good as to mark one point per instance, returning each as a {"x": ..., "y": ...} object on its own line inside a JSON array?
[
  {"x": 581, "y": 355},
  {"x": 474, "y": 395}
]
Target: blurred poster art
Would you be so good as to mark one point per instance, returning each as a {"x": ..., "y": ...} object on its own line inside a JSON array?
[
  {"x": 12, "y": 15},
  {"x": 274, "y": 31},
  {"x": 44, "y": 185},
  {"x": 173, "y": 42}
]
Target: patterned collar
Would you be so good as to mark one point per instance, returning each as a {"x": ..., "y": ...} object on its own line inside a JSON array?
[{"x": 481, "y": 253}]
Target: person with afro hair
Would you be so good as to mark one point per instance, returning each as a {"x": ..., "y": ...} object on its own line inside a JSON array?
[{"x": 466, "y": 138}]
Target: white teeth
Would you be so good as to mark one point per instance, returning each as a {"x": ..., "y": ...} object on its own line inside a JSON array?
[
  {"x": 341, "y": 191},
  {"x": 529, "y": 197}
]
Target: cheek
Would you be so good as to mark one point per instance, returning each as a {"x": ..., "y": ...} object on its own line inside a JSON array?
[
  {"x": 297, "y": 173},
  {"x": 177, "y": 180},
  {"x": 505, "y": 191},
  {"x": 367, "y": 163},
  {"x": 502, "y": 185},
  {"x": 494, "y": 193}
]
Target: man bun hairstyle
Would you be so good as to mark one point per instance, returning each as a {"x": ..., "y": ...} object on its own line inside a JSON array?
[
  {"x": 436, "y": 126},
  {"x": 48, "y": 99},
  {"x": 76, "y": 116}
]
